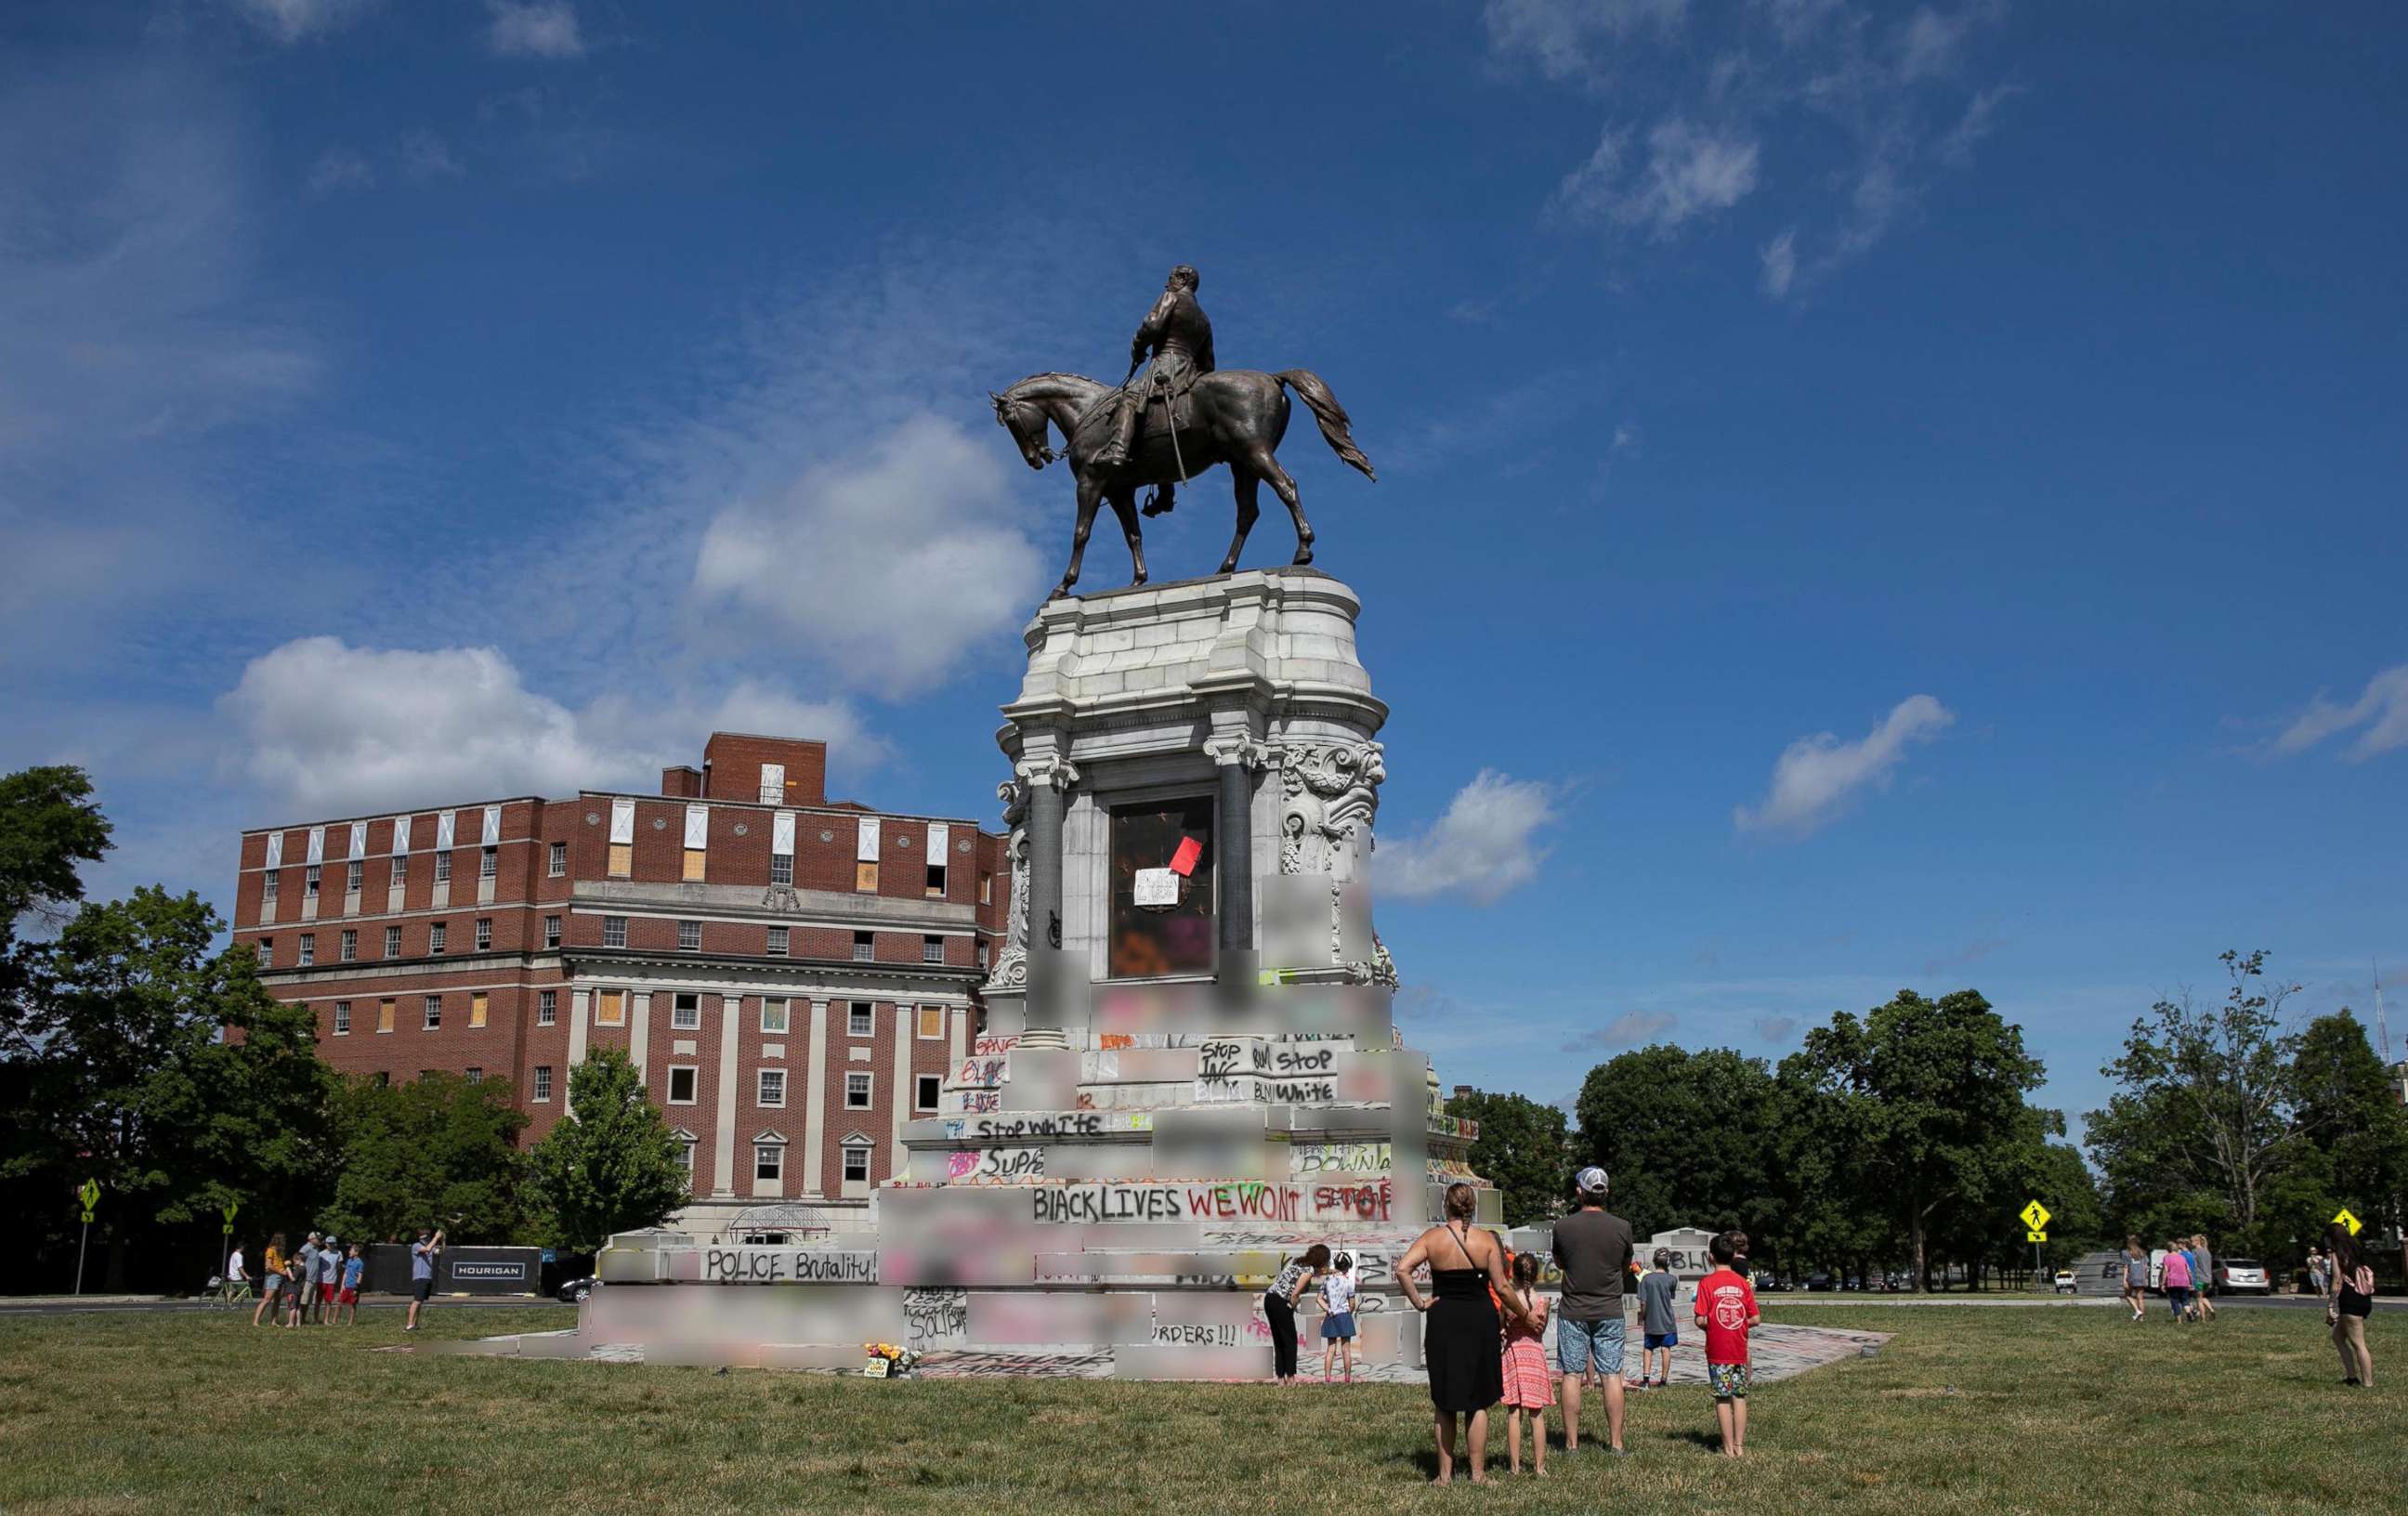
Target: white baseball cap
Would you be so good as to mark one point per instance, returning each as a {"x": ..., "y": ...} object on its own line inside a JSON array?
[{"x": 1590, "y": 1180}]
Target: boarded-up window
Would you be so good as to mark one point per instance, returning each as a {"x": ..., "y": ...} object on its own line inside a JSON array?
[
  {"x": 773, "y": 783},
  {"x": 384, "y": 1015},
  {"x": 697, "y": 839},
  {"x": 1165, "y": 848},
  {"x": 317, "y": 845},
  {"x": 622, "y": 838},
  {"x": 932, "y": 1022},
  {"x": 492, "y": 831},
  {"x": 401, "y": 836},
  {"x": 939, "y": 837},
  {"x": 446, "y": 828},
  {"x": 275, "y": 849},
  {"x": 865, "y": 855},
  {"x": 477, "y": 1008},
  {"x": 610, "y": 1007},
  {"x": 359, "y": 840}
]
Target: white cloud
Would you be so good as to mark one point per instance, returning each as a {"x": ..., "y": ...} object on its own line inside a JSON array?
[
  {"x": 1956, "y": 148},
  {"x": 339, "y": 168},
  {"x": 425, "y": 155},
  {"x": 1557, "y": 37},
  {"x": 1779, "y": 258},
  {"x": 1482, "y": 849},
  {"x": 290, "y": 21},
  {"x": 537, "y": 29},
  {"x": 1690, "y": 173},
  {"x": 1627, "y": 1030},
  {"x": 1816, "y": 775},
  {"x": 2381, "y": 709},
  {"x": 329, "y": 729},
  {"x": 1930, "y": 43},
  {"x": 890, "y": 563}
]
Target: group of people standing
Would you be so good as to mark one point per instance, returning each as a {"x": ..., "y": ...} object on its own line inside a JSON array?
[
  {"x": 318, "y": 1282},
  {"x": 2187, "y": 1276},
  {"x": 1484, "y": 1339},
  {"x": 2339, "y": 1273}
]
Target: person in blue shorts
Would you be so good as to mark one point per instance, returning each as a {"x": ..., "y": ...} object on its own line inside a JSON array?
[
  {"x": 1658, "y": 1295},
  {"x": 1593, "y": 1248}
]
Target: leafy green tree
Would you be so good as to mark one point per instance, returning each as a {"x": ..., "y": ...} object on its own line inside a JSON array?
[
  {"x": 2351, "y": 1117},
  {"x": 49, "y": 824},
  {"x": 1688, "y": 1139},
  {"x": 436, "y": 1150},
  {"x": 610, "y": 1165},
  {"x": 1928, "y": 1096},
  {"x": 1522, "y": 1151}
]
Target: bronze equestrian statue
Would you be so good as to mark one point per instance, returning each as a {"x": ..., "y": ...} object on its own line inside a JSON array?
[{"x": 1183, "y": 418}]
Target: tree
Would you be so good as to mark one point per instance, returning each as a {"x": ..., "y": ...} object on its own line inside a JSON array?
[
  {"x": 610, "y": 1165},
  {"x": 438, "y": 1151},
  {"x": 1521, "y": 1150},
  {"x": 2358, "y": 1129},
  {"x": 2203, "y": 1122},
  {"x": 1687, "y": 1138},
  {"x": 1928, "y": 1096},
  {"x": 48, "y": 825}
]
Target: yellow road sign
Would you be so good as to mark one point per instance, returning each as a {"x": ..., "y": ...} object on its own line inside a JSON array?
[
  {"x": 87, "y": 1218},
  {"x": 89, "y": 1194},
  {"x": 2035, "y": 1235},
  {"x": 2349, "y": 1220},
  {"x": 2035, "y": 1216},
  {"x": 231, "y": 1206}
]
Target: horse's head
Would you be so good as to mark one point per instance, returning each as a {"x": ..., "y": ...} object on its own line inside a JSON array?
[{"x": 1025, "y": 422}]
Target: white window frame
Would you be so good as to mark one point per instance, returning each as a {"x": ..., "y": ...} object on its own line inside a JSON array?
[
  {"x": 867, "y": 1086},
  {"x": 342, "y": 1018},
  {"x": 400, "y": 873},
  {"x": 865, "y": 952},
  {"x": 557, "y": 867},
  {"x": 309, "y": 950},
  {"x": 785, "y": 1016},
  {"x": 430, "y": 1011},
  {"x": 551, "y": 931},
  {"x": 686, "y": 1010},
  {"x": 352, "y": 873},
  {"x": 781, "y": 868},
  {"x": 761, "y": 1088},
  {"x": 443, "y": 868},
  {"x": 484, "y": 934},
  {"x": 932, "y": 950},
  {"x": 546, "y": 1007},
  {"x": 347, "y": 947},
  {"x": 848, "y": 1150},
  {"x": 614, "y": 931},
  {"x": 311, "y": 878},
  {"x": 267, "y": 888},
  {"x": 689, "y": 930},
  {"x": 860, "y": 1017},
  {"x": 762, "y": 1149},
  {"x": 693, "y": 1085},
  {"x": 542, "y": 1091},
  {"x": 393, "y": 941},
  {"x": 779, "y": 942},
  {"x": 438, "y": 937},
  {"x": 488, "y": 861}
]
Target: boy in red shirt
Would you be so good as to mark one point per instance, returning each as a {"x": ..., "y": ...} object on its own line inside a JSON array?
[{"x": 1726, "y": 1311}]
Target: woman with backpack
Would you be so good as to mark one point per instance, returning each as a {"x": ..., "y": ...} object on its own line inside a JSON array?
[{"x": 2350, "y": 1304}]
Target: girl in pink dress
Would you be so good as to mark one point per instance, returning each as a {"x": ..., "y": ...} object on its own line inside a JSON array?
[{"x": 1528, "y": 1386}]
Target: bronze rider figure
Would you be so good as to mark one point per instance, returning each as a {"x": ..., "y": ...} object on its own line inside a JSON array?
[{"x": 1177, "y": 336}]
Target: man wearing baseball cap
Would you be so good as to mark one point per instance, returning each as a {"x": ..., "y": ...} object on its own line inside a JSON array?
[{"x": 1593, "y": 1248}]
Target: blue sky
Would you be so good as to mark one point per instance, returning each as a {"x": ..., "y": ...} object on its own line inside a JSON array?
[{"x": 1870, "y": 496}]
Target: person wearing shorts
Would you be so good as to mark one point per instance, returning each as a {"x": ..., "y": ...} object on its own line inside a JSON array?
[
  {"x": 1726, "y": 1312},
  {"x": 1594, "y": 1251},
  {"x": 2176, "y": 1280},
  {"x": 423, "y": 1255},
  {"x": 1658, "y": 1293},
  {"x": 271, "y": 1284},
  {"x": 348, "y": 1298}
]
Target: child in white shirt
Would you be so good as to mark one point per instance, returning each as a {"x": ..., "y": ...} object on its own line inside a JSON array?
[{"x": 1338, "y": 1315}]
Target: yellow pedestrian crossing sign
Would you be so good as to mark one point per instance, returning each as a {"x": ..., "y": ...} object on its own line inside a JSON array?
[
  {"x": 2035, "y": 1218},
  {"x": 89, "y": 1194},
  {"x": 2349, "y": 1220}
]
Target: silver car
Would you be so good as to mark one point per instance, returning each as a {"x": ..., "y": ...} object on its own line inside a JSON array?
[{"x": 2243, "y": 1276}]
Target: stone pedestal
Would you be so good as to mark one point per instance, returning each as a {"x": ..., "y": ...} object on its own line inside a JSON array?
[{"x": 1190, "y": 1072}]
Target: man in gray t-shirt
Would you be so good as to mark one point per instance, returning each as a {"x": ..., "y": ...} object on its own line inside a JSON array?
[{"x": 1593, "y": 1248}]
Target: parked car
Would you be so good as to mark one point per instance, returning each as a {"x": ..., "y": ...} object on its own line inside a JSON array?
[
  {"x": 2065, "y": 1281},
  {"x": 575, "y": 1291},
  {"x": 1819, "y": 1283},
  {"x": 2245, "y": 1276},
  {"x": 1771, "y": 1284}
]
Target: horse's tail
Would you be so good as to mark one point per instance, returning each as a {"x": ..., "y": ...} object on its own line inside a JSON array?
[{"x": 1334, "y": 426}]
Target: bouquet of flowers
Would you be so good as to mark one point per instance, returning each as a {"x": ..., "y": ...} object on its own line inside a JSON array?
[{"x": 888, "y": 1360}]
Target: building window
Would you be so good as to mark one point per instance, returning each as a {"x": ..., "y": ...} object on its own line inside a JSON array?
[
  {"x": 982, "y": 955},
  {"x": 925, "y": 1091},
  {"x": 547, "y": 1007},
  {"x": 433, "y": 1012},
  {"x": 400, "y": 872},
  {"x": 348, "y": 949},
  {"x": 484, "y": 934},
  {"x": 393, "y": 941},
  {"x": 1147, "y": 941},
  {"x": 610, "y": 1007},
  {"x": 442, "y": 868},
  {"x": 865, "y": 947},
  {"x": 693, "y": 872},
  {"x": 477, "y": 1005},
  {"x": 266, "y": 951},
  {"x": 773, "y": 1087},
  {"x": 857, "y": 1091},
  {"x": 384, "y": 1078},
  {"x": 551, "y": 931},
  {"x": 342, "y": 1018},
  {"x": 684, "y": 1082},
  {"x": 614, "y": 931},
  {"x": 436, "y": 936},
  {"x": 473, "y": 1074},
  {"x": 488, "y": 862},
  {"x": 769, "y": 1161},
  {"x": 936, "y": 881},
  {"x": 857, "y": 1018},
  {"x": 773, "y": 784},
  {"x": 778, "y": 939},
  {"x": 689, "y": 936},
  {"x": 309, "y": 949},
  {"x": 932, "y": 950},
  {"x": 856, "y": 1164},
  {"x": 623, "y": 860},
  {"x": 352, "y": 877},
  {"x": 685, "y": 1161},
  {"x": 559, "y": 866},
  {"x": 384, "y": 1016},
  {"x": 773, "y": 1017},
  {"x": 309, "y": 882},
  {"x": 987, "y": 889},
  {"x": 932, "y": 1024},
  {"x": 864, "y": 879},
  {"x": 542, "y": 1082},
  {"x": 267, "y": 888},
  {"x": 781, "y": 868},
  {"x": 685, "y": 1012}
]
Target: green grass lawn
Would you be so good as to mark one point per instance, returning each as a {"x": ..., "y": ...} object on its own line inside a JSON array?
[{"x": 1968, "y": 1410}]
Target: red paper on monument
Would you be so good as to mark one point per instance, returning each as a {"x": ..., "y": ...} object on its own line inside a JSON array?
[{"x": 1183, "y": 862}]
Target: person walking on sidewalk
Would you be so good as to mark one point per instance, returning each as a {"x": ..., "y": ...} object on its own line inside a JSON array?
[{"x": 1594, "y": 1251}]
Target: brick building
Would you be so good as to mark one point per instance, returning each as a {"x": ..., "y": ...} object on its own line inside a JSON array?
[{"x": 793, "y": 976}]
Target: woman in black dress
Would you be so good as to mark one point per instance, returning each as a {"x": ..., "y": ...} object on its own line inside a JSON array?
[{"x": 1460, "y": 1342}]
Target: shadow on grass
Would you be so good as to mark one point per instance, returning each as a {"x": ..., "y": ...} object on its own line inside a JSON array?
[{"x": 1710, "y": 1441}]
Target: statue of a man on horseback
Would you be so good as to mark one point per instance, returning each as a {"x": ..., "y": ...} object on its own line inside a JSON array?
[{"x": 1206, "y": 416}]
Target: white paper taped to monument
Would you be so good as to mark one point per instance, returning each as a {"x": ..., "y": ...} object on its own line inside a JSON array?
[{"x": 1157, "y": 887}]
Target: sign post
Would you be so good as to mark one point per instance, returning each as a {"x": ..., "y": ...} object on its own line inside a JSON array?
[
  {"x": 89, "y": 1195},
  {"x": 227, "y": 1244},
  {"x": 2035, "y": 1220}
]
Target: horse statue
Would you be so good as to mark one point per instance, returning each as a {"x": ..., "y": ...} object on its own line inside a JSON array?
[{"x": 1231, "y": 416}]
